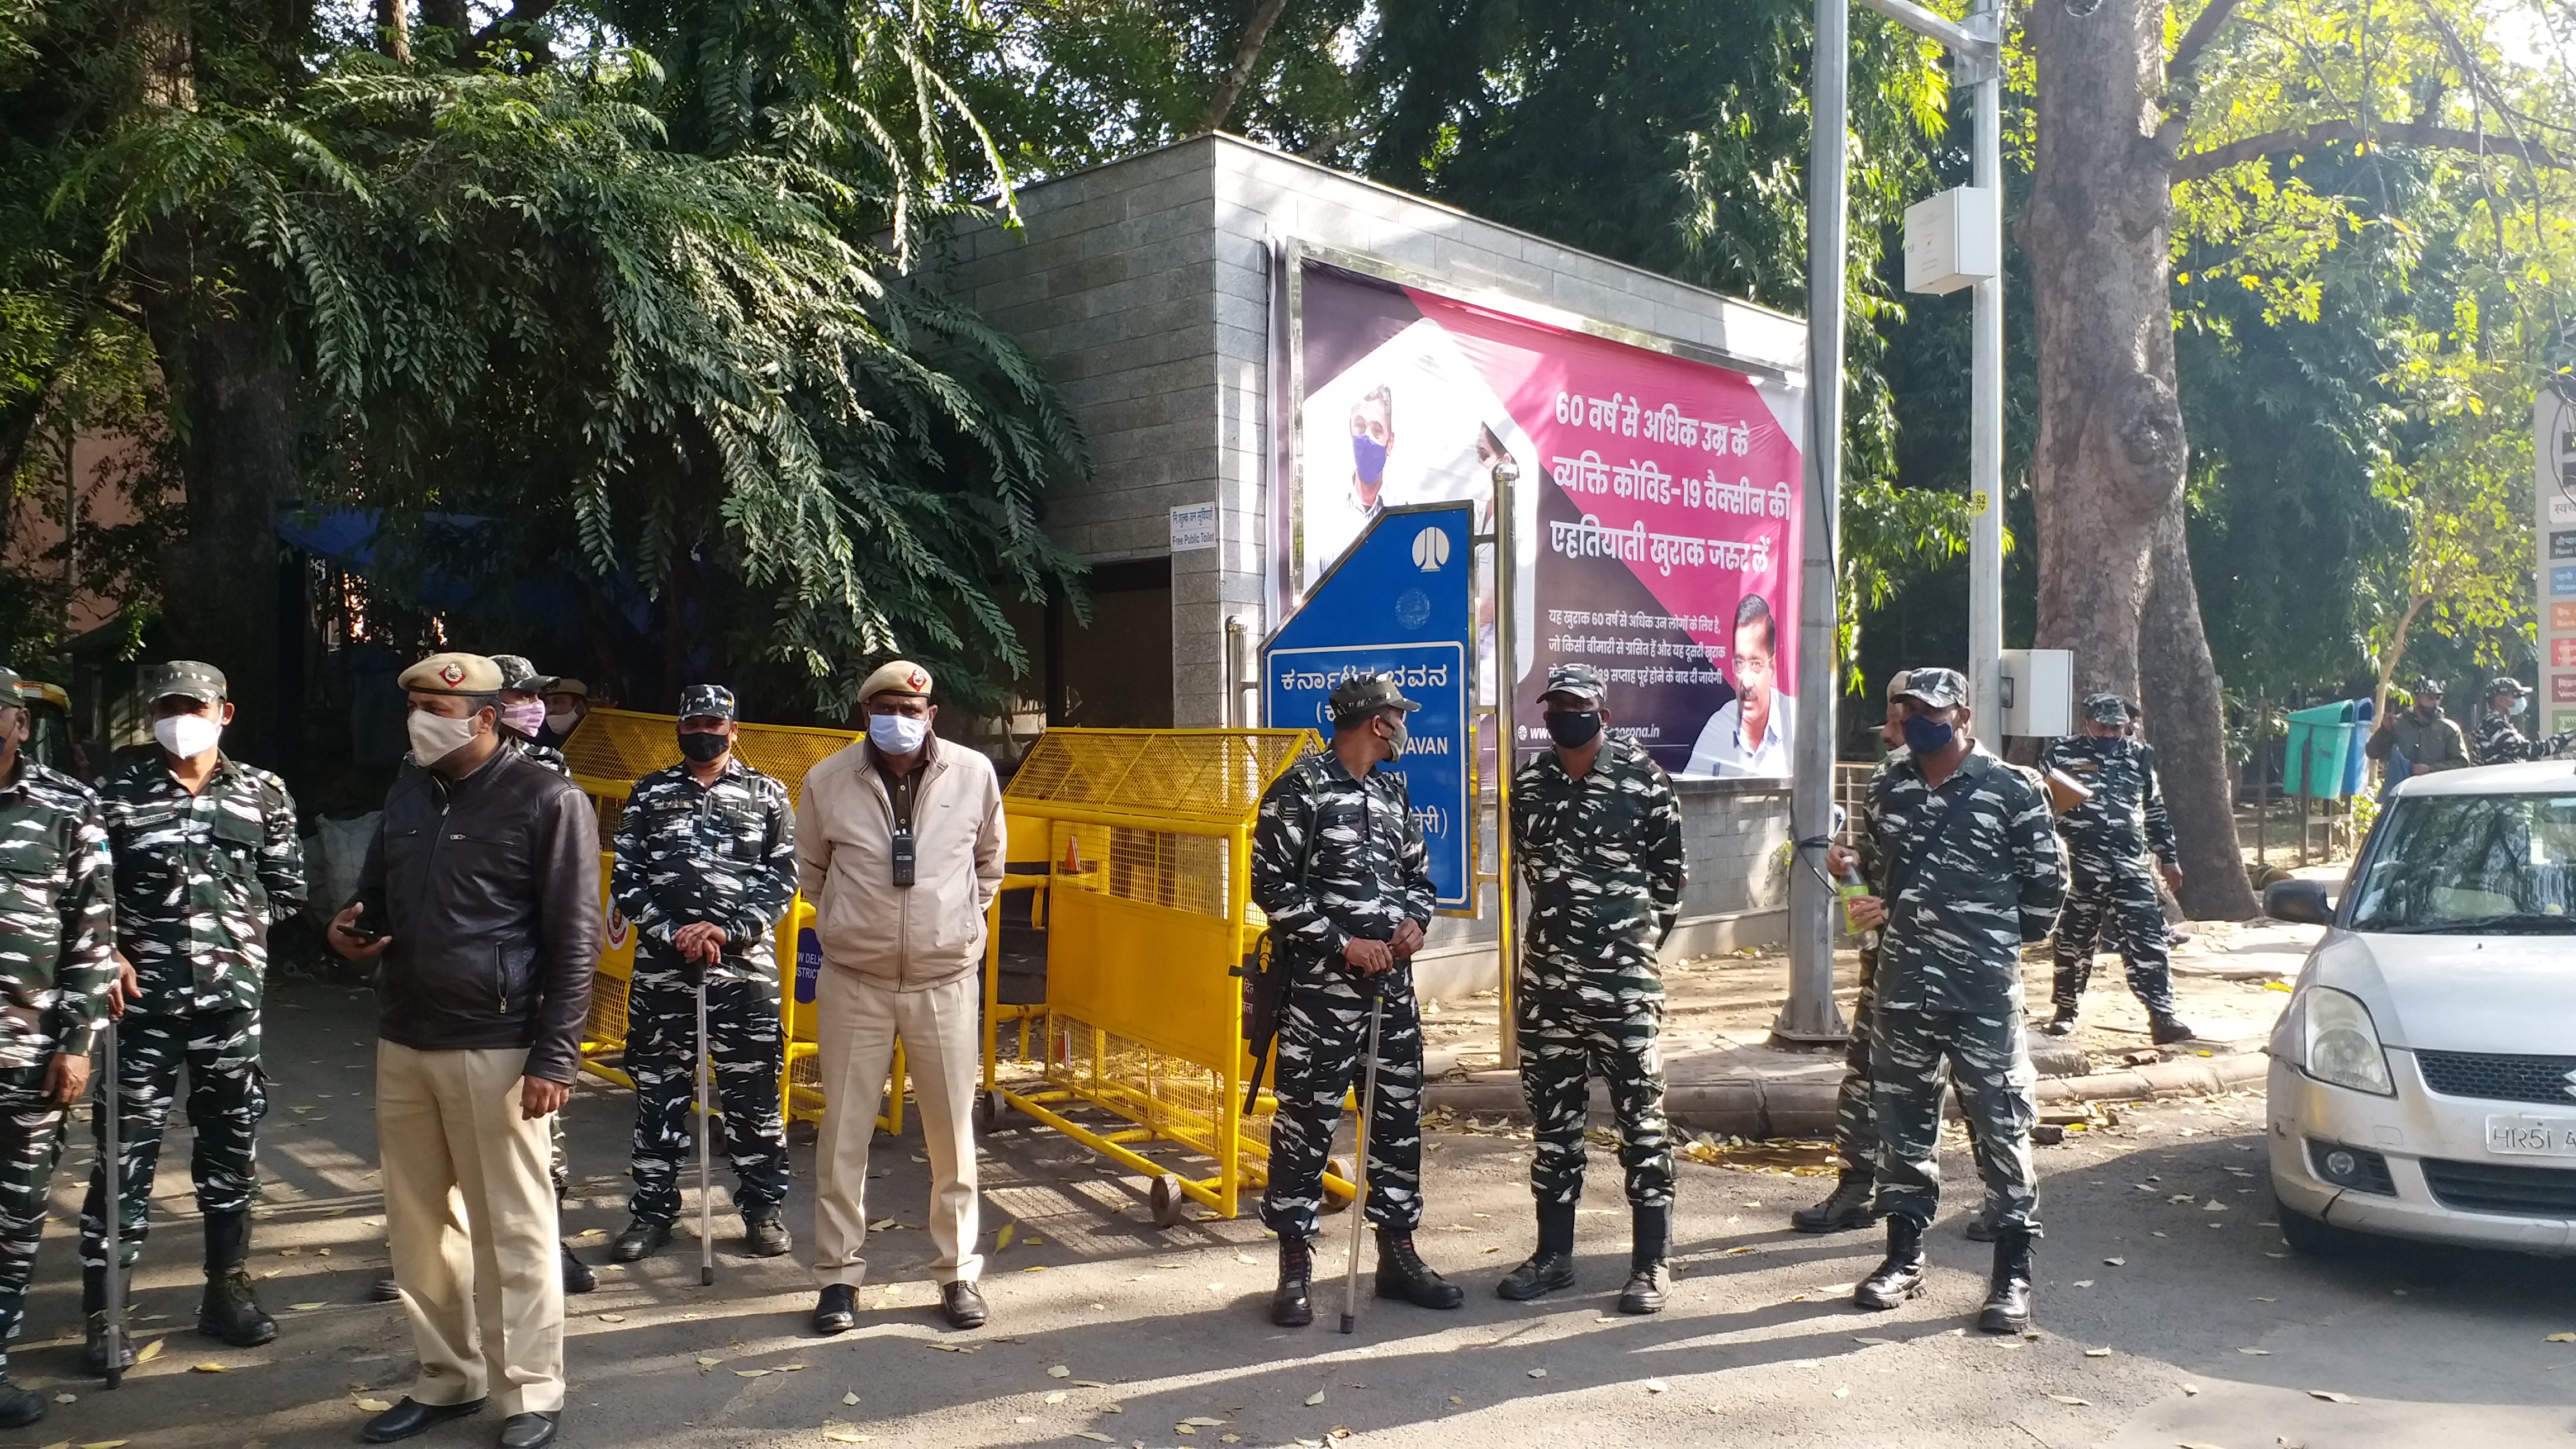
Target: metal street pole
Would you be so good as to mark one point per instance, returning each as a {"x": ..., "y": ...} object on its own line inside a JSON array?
[
  {"x": 1506, "y": 754},
  {"x": 1810, "y": 1014},
  {"x": 1986, "y": 391}
]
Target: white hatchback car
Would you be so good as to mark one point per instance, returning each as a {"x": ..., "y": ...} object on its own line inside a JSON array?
[{"x": 2423, "y": 1078}]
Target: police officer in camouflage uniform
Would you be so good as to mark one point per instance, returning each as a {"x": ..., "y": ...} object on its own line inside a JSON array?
[
  {"x": 2428, "y": 739},
  {"x": 57, "y": 936},
  {"x": 1339, "y": 867},
  {"x": 2499, "y": 740},
  {"x": 2111, "y": 899},
  {"x": 1597, "y": 833},
  {"x": 1973, "y": 875},
  {"x": 706, "y": 863},
  {"x": 206, "y": 861}
]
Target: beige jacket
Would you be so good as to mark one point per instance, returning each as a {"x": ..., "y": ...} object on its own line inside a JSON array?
[{"x": 908, "y": 938}]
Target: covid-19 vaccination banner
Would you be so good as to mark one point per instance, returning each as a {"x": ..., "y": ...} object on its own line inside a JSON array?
[{"x": 1659, "y": 503}]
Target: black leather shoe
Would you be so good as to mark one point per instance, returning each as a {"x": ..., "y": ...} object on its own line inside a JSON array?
[
  {"x": 1645, "y": 1290},
  {"x": 641, "y": 1240},
  {"x": 963, "y": 1306},
  {"x": 528, "y": 1431},
  {"x": 1901, "y": 1276},
  {"x": 1843, "y": 1209},
  {"x": 766, "y": 1237},
  {"x": 231, "y": 1312},
  {"x": 386, "y": 1291},
  {"x": 837, "y": 1310},
  {"x": 411, "y": 1416},
  {"x": 2007, "y": 1307},
  {"x": 19, "y": 1407},
  {"x": 1401, "y": 1273},
  {"x": 577, "y": 1276},
  {"x": 1289, "y": 1305},
  {"x": 1544, "y": 1273},
  {"x": 2063, "y": 1023},
  {"x": 2167, "y": 1030},
  {"x": 94, "y": 1352}
]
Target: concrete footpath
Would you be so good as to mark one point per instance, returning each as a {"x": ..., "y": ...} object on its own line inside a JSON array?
[{"x": 1725, "y": 1076}]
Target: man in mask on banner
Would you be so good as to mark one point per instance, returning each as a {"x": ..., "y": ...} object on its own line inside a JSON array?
[
  {"x": 480, "y": 904},
  {"x": 2426, "y": 739},
  {"x": 206, "y": 860},
  {"x": 57, "y": 935},
  {"x": 1597, "y": 833},
  {"x": 1340, "y": 868},
  {"x": 2111, "y": 899},
  {"x": 1372, "y": 438},
  {"x": 2500, "y": 741},
  {"x": 523, "y": 711},
  {"x": 706, "y": 863},
  {"x": 1973, "y": 875},
  {"x": 899, "y": 846},
  {"x": 1749, "y": 734}
]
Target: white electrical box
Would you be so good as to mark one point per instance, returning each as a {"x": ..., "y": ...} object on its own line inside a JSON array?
[
  {"x": 1951, "y": 241},
  {"x": 2038, "y": 687}
]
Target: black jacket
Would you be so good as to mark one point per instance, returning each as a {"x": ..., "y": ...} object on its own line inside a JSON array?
[{"x": 490, "y": 888}]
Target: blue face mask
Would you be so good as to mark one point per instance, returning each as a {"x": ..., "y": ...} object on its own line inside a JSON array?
[
  {"x": 1926, "y": 736},
  {"x": 1368, "y": 457}
]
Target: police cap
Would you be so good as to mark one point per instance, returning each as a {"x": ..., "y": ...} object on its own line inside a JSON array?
[
  {"x": 2506, "y": 684},
  {"x": 518, "y": 676},
  {"x": 1935, "y": 688},
  {"x": 1366, "y": 694},
  {"x": 706, "y": 701},
  {"x": 1581, "y": 680},
  {"x": 453, "y": 674},
  {"x": 186, "y": 679},
  {"x": 2109, "y": 709}
]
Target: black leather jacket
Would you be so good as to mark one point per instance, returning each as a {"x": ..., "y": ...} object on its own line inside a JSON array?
[{"x": 489, "y": 886}]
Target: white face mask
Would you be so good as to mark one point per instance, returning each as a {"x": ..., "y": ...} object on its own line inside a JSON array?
[
  {"x": 187, "y": 735},
  {"x": 897, "y": 734},
  {"x": 561, "y": 721},
  {"x": 434, "y": 737}
]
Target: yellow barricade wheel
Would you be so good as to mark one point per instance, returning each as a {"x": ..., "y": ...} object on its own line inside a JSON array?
[
  {"x": 988, "y": 1110},
  {"x": 1335, "y": 1199},
  {"x": 1168, "y": 1201}
]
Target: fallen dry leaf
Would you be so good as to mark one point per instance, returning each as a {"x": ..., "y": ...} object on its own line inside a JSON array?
[
  {"x": 605, "y": 1317},
  {"x": 1534, "y": 1373},
  {"x": 2071, "y": 1399},
  {"x": 1057, "y": 1397},
  {"x": 1656, "y": 1386},
  {"x": 2562, "y": 1338},
  {"x": 209, "y": 1368},
  {"x": 751, "y": 1373},
  {"x": 1201, "y": 1421},
  {"x": 106, "y": 1444},
  {"x": 849, "y": 1398},
  {"x": 844, "y": 1436},
  {"x": 2331, "y": 1397},
  {"x": 709, "y": 1362},
  {"x": 2083, "y": 1282},
  {"x": 2097, "y": 1353},
  {"x": 293, "y": 1307},
  {"x": 150, "y": 1351},
  {"x": 1001, "y": 1239},
  {"x": 374, "y": 1406},
  {"x": 1094, "y": 1438},
  {"x": 1312, "y": 1399},
  {"x": 2256, "y": 1352},
  {"x": 1057, "y": 1372},
  {"x": 2117, "y": 1262}
]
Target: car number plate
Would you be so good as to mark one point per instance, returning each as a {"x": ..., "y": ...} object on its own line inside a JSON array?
[{"x": 2532, "y": 1136}]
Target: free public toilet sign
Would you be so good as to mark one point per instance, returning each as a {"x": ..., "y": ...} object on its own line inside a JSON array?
[{"x": 1398, "y": 602}]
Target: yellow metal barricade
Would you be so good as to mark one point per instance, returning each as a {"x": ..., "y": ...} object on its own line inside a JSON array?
[
  {"x": 1146, "y": 912},
  {"x": 611, "y": 751}
]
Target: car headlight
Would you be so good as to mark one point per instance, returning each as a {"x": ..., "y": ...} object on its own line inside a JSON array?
[{"x": 2341, "y": 1045}]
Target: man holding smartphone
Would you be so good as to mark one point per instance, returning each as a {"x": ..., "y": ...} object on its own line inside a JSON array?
[
  {"x": 899, "y": 846},
  {"x": 479, "y": 904}
]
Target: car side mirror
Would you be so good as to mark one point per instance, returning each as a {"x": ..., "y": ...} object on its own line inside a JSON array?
[{"x": 2303, "y": 901}]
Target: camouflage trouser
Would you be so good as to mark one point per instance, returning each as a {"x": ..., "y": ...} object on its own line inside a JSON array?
[
  {"x": 1911, "y": 1052},
  {"x": 1323, "y": 1035},
  {"x": 1560, "y": 1054},
  {"x": 227, "y": 1095},
  {"x": 2114, "y": 908},
  {"x": 661, "y": 1045},
  {"x": 1855, "y": 1119},
  {"x": 31, "y": 1137}
]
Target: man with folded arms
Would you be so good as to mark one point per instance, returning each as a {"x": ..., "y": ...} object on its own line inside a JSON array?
[{"x": 479, "y": 902}]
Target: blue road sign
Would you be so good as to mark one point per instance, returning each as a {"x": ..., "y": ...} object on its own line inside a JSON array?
[{"x": 1399, "y": 601}]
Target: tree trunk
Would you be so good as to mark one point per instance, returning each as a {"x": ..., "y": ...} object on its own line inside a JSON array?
[
  {"x": 2186, "y": 722},
  {"x": 2111, "y": 449},
  {"x": 231, "y": 402},
  {"x": 393, "y": 29},
  {"x": 1247, "y": 57}
]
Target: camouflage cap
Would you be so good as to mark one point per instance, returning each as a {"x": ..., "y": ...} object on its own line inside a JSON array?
[
  {"x": 1935, "y": 688},
  {"x": 1575, "y": 679},
  {"x": 706, "y": 701},
  {"x": 2109, "y": 709},
  {"x": 2432, "y": 687},
  {"x": 186, "y": 679},
  {"x": 453, "y": 674},
  {"x": 1364, "y": 694},
  {"x": 2506, "y": 684},
  {"x": 518, "y": 676}
]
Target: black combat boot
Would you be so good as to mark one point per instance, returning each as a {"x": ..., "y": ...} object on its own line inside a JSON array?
[
  {"x": 1552, "y": 1266},
  {"x": 94, "y": 1308},
  {"x": 1289, "y": 1307},
  {"x": 2008, "y": 1294},
  {"x": 230, "y": 1310},
  {"x": 2164, "y": 1029},
  {"x": 2063, "y": 1023},
  {"x": 1647, "y": 1276},
  {"x": 1401, "y": 1273},
  {"x": 642, "y": 1239},
  {"x": 1846, "y": 1207},
  {"x": 1901, "y": 1276},
  {"x": 19, "y": 1407},
  {"x": 764, "y": 1233}
]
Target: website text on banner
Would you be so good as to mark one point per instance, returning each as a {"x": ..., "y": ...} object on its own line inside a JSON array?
[{"x": 1659, "y": 509}]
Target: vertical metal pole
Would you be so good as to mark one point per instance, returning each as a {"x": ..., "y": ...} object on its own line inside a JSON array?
[
  {"x": 1506, "y": 752},
  {"x": 111, "y": 1162},
  {"x": 1810, "y": 1014},
  {"x": 1986, "y": 411}
]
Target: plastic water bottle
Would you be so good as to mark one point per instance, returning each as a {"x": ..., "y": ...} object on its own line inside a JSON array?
[{"x": 1847, "y": 884}]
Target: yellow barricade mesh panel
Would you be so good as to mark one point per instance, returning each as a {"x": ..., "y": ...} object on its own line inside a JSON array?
[
  {"x": 606, "y": 1030},
  {"x": 1175, "y": 1098},
  {"x": 1155, "y": 867},
  {"x": 617, "y": 747},
  {"x": 1204, "y": 777}
]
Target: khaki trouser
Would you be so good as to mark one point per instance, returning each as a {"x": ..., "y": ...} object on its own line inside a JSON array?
[
  {"x": 855, "y": 1029},
  {"x": 471, "y": 1217}
]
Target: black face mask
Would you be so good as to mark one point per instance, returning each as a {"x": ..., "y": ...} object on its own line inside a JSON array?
[
  {"x": 702, "y": 747},
  {"x": 1573, "y": 728}
]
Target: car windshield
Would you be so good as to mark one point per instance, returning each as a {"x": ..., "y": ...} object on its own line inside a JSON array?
[{"x": 2471, "y": 865}]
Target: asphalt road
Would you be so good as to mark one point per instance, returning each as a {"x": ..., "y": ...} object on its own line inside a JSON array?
[{"x": 2205, "y": 1332}]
